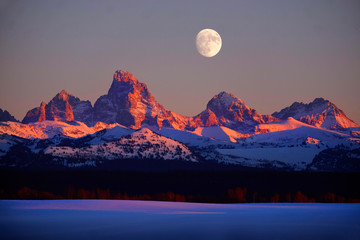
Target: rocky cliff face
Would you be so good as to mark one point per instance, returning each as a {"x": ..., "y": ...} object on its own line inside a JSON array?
[
  {"x": 130, "y": 103},
  {"x": 225, "y": 109},
  {"x": 6, "y": 116},
  {"x": 63, "y": 107},
  {"x": 319, "y": 113}
]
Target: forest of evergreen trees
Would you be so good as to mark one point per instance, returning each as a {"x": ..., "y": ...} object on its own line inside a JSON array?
[{"x": 184, "y": 186}]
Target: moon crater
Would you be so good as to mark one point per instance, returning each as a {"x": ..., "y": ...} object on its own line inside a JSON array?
[{"x": 208, "y": 42}]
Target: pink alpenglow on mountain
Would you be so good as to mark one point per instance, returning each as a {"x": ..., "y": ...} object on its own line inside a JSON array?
[
  {"x": 63, "y": 107},
  {"x": 224, "y": 109},
  {"x": 319, "y": 113},
  {"x": 130, "y": 103}
]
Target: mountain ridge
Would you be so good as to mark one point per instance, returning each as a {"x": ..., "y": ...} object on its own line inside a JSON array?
[
  {"x": 130, "y": 103},
  {"x": 320, "y": 113}
]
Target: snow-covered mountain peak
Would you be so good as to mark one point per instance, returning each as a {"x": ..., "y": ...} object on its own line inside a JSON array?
[
  {"x": 125, "y": 85},
  {"x": 224, "y": 99},
  {"x": 225, "y": 109},
  {"x": 319, "y": 113},
  {"x": 130, "y": 103},
  {"x": 226, "y": 106}
]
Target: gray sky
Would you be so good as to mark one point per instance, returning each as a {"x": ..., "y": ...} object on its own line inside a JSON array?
[{"x": 273, "y": 52}]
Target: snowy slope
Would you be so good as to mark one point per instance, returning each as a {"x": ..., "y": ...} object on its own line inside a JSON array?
[
  {"x": 290, "y": 144},
  {"x": 287, "y": 124},
  {"x": 219, "y": 133},
  {"x": 6, "y": 142},
  {"x": 45, "y": 129},
  {"x": 298, "y": 136},
  {"x": 48, "y": 129},
  {"x": 293, "y": 157},
  {"x": 190, "y": 138},
  {"x": 101, "y": 136},
  {"x": 109, "y": 134}
]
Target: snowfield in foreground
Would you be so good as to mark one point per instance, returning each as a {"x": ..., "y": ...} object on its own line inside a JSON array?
[{"x": 114, "y": 219}]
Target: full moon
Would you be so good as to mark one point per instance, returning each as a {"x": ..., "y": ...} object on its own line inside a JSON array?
[{"x": 208, "y": 42}]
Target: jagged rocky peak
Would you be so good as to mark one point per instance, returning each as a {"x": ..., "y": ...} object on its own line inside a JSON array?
[
  {"x": 36, "y": 114},
  {"x": 124, "y": 76},
  {"x": 320, "y": 100},
  {"x": 63, "y": 107},
  {"x": 320, "y": 113},
  {"x": 296, "y": 108},
  {"x": 225, "y": 109},
  {"x": 224, "y": 103},
  {"x": 6, "y": 116},
  {"x": 126, "y": 86},
  {"x": 224, "y": 99},
  {"x": 63, "y": 95},
  {"x": 123, "y": 79},
  {"x": 130, "y": 103},
  {"x": 206, "y": 118}
]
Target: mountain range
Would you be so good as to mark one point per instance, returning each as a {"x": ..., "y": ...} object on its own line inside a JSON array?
[{"x": 128, "y": 123}]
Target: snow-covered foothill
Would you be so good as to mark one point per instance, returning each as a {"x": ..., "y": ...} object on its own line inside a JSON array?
[
  {"x": 142, "y": 144},
  {"x": 295, "y": 136},
  {"x": 294, "y": 157},
  {"x": 219, "y": 133}
]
